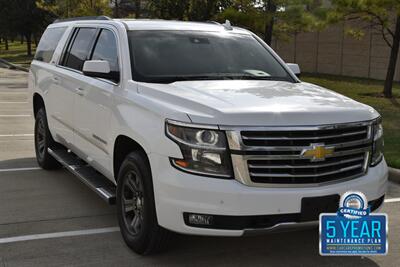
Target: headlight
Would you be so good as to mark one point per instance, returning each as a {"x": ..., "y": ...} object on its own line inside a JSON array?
[
  {"x": 377, "y": 146},
  {"x": 204, "y": 150}
]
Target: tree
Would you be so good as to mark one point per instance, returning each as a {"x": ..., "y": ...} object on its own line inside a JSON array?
[
  {"x": 77, "y": 8},
  {"x": 126, "y": 8},
  {"x": 195, "y": 10},
  {"x": 61, "y": 8},
  {"x": 169, "y": 9},
  {"x": 281, "y": 18},
  {"x": 245, "y": 14},
  {"x": 205, "y": 10},
  {"x": 23, "y": 17},
  {"x": 5, "y": 29},
  {"x": 138, "y": 8},
  {"x": 92, "y": 8},
  {"x": 270, "y": 12},
  {"x": 116, "y": 7},
  {"x": 381, "y": 15}
]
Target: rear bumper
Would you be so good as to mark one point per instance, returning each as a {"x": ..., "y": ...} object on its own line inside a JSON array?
[{"x": 177, "y": 193}]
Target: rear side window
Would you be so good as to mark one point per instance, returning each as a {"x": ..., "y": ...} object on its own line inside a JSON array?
[
  {"x": 78, "y": 52},
  {"x": 48, "y": 43},
  {"x": 106, "y": 49}
]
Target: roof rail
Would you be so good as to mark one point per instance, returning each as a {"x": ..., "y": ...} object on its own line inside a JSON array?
[{"x": 83, "y": 18}]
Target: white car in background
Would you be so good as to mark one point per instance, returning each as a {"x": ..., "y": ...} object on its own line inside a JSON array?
[{"x": 197, "y": 128}]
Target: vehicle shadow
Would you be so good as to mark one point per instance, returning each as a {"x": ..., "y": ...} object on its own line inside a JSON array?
[
  {"x": 299, "y": 248},
  {"x": 18, "y": 163}
]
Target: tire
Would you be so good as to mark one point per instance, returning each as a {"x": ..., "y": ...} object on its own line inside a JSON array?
[
  {"x": 136, "y": 207},
  {"x": 44, "y": 140}
]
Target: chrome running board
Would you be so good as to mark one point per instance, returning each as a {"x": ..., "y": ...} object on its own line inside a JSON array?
[{"x": 89, "y": 176}]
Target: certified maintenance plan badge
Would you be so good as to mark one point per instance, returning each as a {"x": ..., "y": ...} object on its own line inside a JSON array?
[{"x": 353, "y": 230}]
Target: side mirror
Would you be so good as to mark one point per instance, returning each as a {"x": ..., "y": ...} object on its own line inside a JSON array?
[
  {"x": 99, "y": 69},
  {"x": 295, "y": 68}
]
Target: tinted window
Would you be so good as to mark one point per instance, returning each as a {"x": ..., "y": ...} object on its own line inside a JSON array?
[
  {"x": 168, "y": 56},
  {"x": 48, "y": 44},
  {"x": 106, "y": 49},
  {"x": 79, "y": 50}
]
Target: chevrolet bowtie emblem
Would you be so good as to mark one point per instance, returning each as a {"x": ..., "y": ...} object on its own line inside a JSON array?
[{"x": 317, "y": 152}]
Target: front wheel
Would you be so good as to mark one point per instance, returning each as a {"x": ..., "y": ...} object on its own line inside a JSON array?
[
  {"x": 136, "y": 208},
  {"x": 44, "y": 140}
]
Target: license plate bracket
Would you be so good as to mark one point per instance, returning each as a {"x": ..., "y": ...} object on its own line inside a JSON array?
[{"x": 311, "y": 207}]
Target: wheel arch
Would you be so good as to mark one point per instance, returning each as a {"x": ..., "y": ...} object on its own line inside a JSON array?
[
  {"x": 37, "y": 102},
  {"x": 124, "y": 145}
]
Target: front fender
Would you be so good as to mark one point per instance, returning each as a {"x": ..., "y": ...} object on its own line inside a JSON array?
[{"x": 143, "y": 120}]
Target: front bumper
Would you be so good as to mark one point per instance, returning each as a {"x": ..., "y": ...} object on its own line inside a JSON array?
[{"x": 177, "y": 192}]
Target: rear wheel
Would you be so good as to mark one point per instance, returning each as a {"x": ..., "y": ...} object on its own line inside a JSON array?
[
  {"x": 44, "y": 140},
  {"x": 136, "y": 208}
]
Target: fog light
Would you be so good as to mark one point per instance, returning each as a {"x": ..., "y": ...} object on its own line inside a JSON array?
[{"x": 200, "y": 219}]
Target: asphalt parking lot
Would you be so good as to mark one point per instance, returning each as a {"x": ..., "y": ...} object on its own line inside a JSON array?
[{"x": 49, "y": 218}]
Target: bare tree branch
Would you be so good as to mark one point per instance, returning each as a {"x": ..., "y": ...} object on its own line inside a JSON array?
[
  {"x": 378, "y": 23},
  {"x": 381, "y": 21},
  {"x": 385, "y": 38}
]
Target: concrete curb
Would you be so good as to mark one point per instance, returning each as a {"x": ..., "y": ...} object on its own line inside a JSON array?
[
  {"x": 394, "y": 175},
  {"x": 13, "y": 66}
]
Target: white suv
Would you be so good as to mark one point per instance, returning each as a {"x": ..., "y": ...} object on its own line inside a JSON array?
[{"x": 197, "y": 128}]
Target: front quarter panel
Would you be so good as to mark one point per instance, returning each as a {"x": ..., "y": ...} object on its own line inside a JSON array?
[{"x": 143, "y": 119}]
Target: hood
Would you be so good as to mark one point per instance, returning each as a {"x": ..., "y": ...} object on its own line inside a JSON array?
[{"x": 258, "y": 103}]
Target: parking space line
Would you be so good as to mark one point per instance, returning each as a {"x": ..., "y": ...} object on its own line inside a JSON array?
[
  {"x": 10, "y": 116},
  {"x": 15, "y": 135},
  {"x": 20, "y": 169},
  {"x": 391, "y": 200},
  {"x": 58, "y": 235},
  {"x": 11, "y": 102}
]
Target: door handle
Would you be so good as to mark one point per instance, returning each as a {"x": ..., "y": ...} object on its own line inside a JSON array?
[{"x": 80, "y": 91}]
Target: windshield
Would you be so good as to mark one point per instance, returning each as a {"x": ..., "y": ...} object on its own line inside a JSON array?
[{"x": 169, "y": 56}]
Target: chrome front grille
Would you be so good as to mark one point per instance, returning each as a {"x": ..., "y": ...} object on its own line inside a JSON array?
[
  {"x": 277, "y": 156},
  {"x": 303, "y": 172},
  {"x": 304, "y": 138}
]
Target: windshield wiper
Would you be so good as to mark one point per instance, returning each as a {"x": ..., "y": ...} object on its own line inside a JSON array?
[
  {"x": 171, "y": 79},
  {"x": 213, "y": 76},
  {"x": 253, "y": 77}
]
